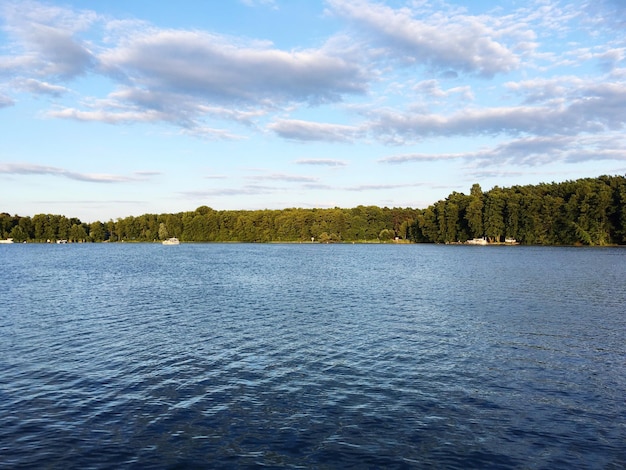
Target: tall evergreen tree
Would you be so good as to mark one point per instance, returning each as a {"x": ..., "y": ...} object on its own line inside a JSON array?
[{"x": 474, "y": 215}]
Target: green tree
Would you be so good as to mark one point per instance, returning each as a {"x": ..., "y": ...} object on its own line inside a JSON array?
[
  {"x": 163, "y": 232},
  {"x": 111, "y": 231},
  {"x": 386, "y": 235},
  {"x": 474, "y": 215},
  {"x": 428, "y": 225},
  {"x": 620, "y": 211},
  {"x": 451, "y": 217},
  {"x": 77, "y": 233},
  {"x": 27, "y": 227},
  {"x": 96, "y": 231},
  {"x": 513, "y": 215},
  {"x": 52, "y": 228},
  {"x": 494, "y": 215},
  {"x": 63, "y": 228},
  {"x": 40, "y": 227},
  {"x": 17, "y": 234},
  {"x": 174, "y": 224},
  {"x": 6, "y": 224}
]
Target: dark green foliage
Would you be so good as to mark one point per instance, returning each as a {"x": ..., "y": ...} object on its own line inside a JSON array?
[
  {"x": 474, "y": 214},
  {"x": 43, "y": 228},
  {"x": 208, "y": 225},
  {"x": 589, "y": 211}
]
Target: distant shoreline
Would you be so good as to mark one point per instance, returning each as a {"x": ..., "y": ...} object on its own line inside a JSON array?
[{"x": 588, "y": 212}]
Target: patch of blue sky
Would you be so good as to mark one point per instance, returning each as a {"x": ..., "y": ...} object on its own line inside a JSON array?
[{"x": 255, "y": 102}]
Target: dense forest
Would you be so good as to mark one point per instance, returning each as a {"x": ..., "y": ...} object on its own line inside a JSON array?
[
  {"x": 208, "y": 225},
  {"x": 590, "y": 211}
]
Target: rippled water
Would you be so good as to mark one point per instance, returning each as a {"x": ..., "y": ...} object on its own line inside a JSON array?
[{"x": 323, "y": 356}]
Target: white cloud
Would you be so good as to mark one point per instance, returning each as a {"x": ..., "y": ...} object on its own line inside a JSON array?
[
  {"x": 285, "y": 178},
  {"x": 587, "y": 107},
  {"x": 220, "y": 70},
  {"x": 309, "y": 131},
  {"x": 216, "y": 177},
  {"x": 178, "y": 76},
  {"x": 536, "y": 84},
  {"x": 432, "y": 89},
  {"x": 530, "y": 151},
  {"x": 611, "y": 13},
  {"x": 460, "y": 42},
  {"x": 247, "y": 190},
  {"x": 321, "y": 162},
  {"x": 209, "y": 133},
  {"x": 41, "y": 87},
  {"x": 6, "y": 101},
  {"x": 381, "y": 187},
  {"x": 424, "y": 157},
  {"x": 545, "y": 90},
  {"x": 48, "y": 38},
  {"x": 107, "y": 116},
  {"x": 33, "y": 169}
]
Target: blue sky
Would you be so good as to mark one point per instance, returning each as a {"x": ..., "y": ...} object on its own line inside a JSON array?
[{"x": 111, "y": 109}]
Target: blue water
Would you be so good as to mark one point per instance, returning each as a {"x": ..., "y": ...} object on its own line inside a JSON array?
[{"x": 315, "y": 356}]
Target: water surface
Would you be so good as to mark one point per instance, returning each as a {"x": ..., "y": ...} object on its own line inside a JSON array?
[{"x": 323, "y": 356}]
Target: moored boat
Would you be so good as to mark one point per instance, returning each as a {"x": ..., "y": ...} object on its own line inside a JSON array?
[
  {"x": 8, "y": 240},
  {"x": 171, "y": 241}
]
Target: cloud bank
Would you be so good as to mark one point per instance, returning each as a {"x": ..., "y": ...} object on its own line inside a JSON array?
[
  {"x": 403, "y": 74},
  {"x": 30, "y": 169}
]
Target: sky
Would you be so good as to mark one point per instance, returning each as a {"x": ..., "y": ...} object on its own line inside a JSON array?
[{"x": 112, "y": 109}]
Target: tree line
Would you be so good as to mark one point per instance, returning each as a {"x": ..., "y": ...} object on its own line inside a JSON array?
[
  {"x": 589, "y": 211},
  {"x": 362, "y": 223}
]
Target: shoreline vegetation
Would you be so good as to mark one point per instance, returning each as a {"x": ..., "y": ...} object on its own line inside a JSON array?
[{"x": 583, "y": 212}]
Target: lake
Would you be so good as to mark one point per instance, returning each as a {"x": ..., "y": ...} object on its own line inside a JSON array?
[{"x": 315, "y": 356}]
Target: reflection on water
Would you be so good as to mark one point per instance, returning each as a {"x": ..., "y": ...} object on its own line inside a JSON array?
[{"x": 144, "y": 356}]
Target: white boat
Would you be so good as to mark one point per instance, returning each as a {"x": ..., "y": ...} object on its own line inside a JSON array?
[
  {"x": 8, "y": 240},
  {"x": 477, "y": 241},
  {"x": 171, "y": 241}
]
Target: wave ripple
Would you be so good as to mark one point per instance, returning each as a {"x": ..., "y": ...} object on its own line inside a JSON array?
[{"x": 221, "y": 356}]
